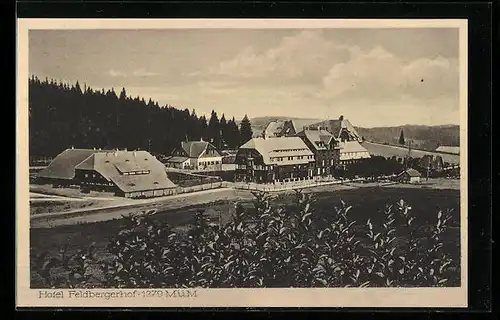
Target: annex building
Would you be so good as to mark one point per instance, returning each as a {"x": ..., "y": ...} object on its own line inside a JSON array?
[
  {"x": 196, "y": 155},
  {"x": 131, "y": 174}
]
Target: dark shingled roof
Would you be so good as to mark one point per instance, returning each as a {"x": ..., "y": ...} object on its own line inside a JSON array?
[
  {"x": 316, "y": 136},
  {"x": 177, "y": 159},
  {"x": 111, "y": 165},
  {"x": 335, "y": 127},
  {"x": 194, "y": 149},
  {"x": 63, "y": 166}
]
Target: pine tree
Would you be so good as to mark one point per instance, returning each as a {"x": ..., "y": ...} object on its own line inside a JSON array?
[
  {"x": 62, "y": 115},
  {"x": 214, "y": 129},
  {"x": 245, "y": 130},
  {"x": 233, "y": 134},
  {"x": 401, "y": 138},
  {"x": 223, "y": 131}
]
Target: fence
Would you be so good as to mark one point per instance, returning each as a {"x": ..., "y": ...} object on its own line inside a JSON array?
[
  {"x": 202, "y": 187},
  {"x": 285, "y": 185}
]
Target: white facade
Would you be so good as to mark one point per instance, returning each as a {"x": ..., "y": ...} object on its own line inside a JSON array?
[{"x": 206, "y": 163}]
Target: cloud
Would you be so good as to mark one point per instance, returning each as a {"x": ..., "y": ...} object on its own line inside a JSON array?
[
  {"x": 380, "y": 75},
  {"x": 303, "y": 55},
  {"x": 115, "y": 73},
  {"x": 144, "y": 73},
  {"x": 135, "y": 73},
  {"x": 313, "y": 73}
]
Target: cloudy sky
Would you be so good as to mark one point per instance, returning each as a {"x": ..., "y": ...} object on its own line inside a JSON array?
[{"x": 374, "y": 77}]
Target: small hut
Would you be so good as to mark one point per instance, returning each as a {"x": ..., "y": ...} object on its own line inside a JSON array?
[{"x": 409, "y": 176}]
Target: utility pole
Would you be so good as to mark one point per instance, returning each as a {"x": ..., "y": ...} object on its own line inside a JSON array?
[{"x": 408, "y": 155}]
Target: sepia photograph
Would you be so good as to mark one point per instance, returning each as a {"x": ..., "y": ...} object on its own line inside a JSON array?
[{"x": 162, "y": 160}]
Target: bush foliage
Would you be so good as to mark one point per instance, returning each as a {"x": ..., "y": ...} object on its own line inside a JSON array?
[{"x": 264, "y": 247}]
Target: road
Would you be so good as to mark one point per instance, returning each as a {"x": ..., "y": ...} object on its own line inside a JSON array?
[{"x": 116, "y": 211}]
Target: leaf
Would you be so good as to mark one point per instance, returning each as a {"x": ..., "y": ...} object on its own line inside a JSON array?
[
  {"x": 304, "y": 217},
  {"x": 380, "y": 274},
  {"x": 443, "y": 266},
  {"x": 227, "y": 265},
  {"x": 442, "y": 281},
  {"x": 364, "y": 284},
  {"x": 440, "y": 214}
]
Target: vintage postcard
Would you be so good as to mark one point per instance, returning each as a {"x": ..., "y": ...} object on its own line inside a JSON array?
[{"x": 241, "y": 163}]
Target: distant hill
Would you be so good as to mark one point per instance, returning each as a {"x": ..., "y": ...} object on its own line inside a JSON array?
[{"x": 422, "y": 137}]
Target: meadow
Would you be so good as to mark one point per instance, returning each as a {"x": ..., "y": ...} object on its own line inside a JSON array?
[{"x": 367, "y": 203}]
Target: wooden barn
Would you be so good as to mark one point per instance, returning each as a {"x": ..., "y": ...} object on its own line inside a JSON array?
[{"x": 132, "y": 174}]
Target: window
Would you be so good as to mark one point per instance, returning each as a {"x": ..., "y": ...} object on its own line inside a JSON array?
[{"x": 86, "y": 175}]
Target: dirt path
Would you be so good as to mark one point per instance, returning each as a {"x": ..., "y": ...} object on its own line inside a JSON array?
[{"x": 117, "y": 210}]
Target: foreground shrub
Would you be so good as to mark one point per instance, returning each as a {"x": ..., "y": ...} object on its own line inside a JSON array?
[{"x": 265, "y": 247}]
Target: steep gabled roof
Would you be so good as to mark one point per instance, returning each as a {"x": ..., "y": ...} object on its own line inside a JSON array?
[
  {"x": 320, "y": 139},
  {"x": 335, "y": 127},
  {"x": 195, "y": 149},
  {"x": 63, "y": 165},
  {"x": 280, "y": 128}
]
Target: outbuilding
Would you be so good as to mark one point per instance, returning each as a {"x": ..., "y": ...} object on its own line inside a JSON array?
[{"x": 409, "y": 176}]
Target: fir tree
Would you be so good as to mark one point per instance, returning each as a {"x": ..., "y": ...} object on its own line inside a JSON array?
[
  {"x": 401, "y": 138},
  {"x": 245, "y": 130}
]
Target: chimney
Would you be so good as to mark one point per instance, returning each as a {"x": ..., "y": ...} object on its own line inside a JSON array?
[
  {"x": 72, "y": 147},
  {"x": 99, "y": 149},
  {"x": 341, "y": 118},
  {"x": 201, "y": 139},
  {"x": 125, "y": 149},
  {"x": 116, "y": 154},
  {"x": 135, "y": 153}
]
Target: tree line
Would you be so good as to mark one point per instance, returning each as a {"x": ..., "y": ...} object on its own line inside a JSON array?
[{"x": 63, "y": 115}]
